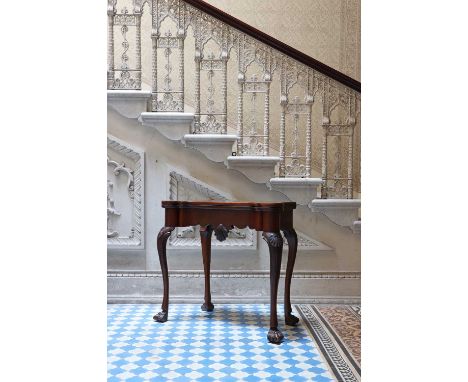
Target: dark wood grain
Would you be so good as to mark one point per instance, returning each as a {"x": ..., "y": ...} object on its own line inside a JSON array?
[
  {"x": 205, "y": 237},
  {"x": 291, "y": 238},
  {"x": 276, "y": 44},
  {"x": 161, "y": 244},
  {"x": 275, "y": 246}
]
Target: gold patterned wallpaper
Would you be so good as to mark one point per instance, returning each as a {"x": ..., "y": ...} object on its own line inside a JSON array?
[{"x": 327, "y": 30}]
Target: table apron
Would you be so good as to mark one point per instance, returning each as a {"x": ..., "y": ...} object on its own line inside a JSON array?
[{"x": 272, "y": 220}]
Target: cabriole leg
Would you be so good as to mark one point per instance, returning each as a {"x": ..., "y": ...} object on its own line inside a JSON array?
[
  {"x": 275, "y": 245},
  {"x": 205, "y": 236},
  {"x": 161, "y": 243},
  {"x": 291, "y": 238}
]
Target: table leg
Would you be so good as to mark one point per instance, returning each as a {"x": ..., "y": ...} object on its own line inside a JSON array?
[
  {"x": 291, "y": 237},
  {"x": 162, "y": 240},
  {"x": 205, "y": 236},
  {"x": 275, "y": 245}
]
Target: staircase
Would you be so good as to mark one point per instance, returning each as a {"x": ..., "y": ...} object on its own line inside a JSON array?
[{"x": 298, "y": 145}]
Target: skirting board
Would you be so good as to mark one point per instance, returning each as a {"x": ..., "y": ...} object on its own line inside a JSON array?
[{"x": 232, "y": 286}]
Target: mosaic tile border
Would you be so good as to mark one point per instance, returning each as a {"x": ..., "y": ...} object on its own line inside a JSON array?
[
  {"x": 345, "y": 326},
  {"x": 341, "y": 362}
]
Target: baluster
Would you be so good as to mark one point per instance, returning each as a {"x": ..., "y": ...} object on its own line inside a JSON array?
[
  {"x": 350, "y": 164},
  {"x": 181, "y": 36},
  {"x": 325, "y": 123},
  {"x": 110, "y": 44},
  {"x": 324, "y": 162},
  {"x": 310, "y": 101},
  {"x": 352, "y": 123},
  {"x": 138, "y": 48},
  {"x": 266, "y": 121},
  {"x": 240, "y": 113},
  {"x": 282, "y": 164},
  {"x": 197, "y": 91},
  {"x": 154, "y": 66},
  {"x": 309, "y": 142},
  {"x": 224, "y": 93},
  {"x": 337, "y": 176},
  {"x": 154, "y": 56}
]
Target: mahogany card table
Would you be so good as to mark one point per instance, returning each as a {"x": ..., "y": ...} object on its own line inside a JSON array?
[{"x": 220, "y": 217}]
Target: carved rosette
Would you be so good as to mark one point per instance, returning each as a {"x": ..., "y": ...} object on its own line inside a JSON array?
[
  {"x": 273, "y": 239},
  {"x": 221, "y": 232}
]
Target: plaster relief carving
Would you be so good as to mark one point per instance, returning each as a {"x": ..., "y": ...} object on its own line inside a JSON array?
[
  {"x": 111, "y": 211},
  {"x": 125, "y": 195}
]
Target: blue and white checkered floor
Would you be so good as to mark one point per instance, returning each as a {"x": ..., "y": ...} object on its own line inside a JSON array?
[{"x": 228, "y": 344}]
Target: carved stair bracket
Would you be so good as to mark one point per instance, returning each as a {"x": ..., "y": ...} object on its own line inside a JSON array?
[
  {"x": 215, "y": 147},
  {"x": 258, "y": 169},
  {"x": 172, "y": 125},
  {"x": 344, "y": 212},
  {"x": 299, "y": 190},
  {"x": 129, "y": 103}
]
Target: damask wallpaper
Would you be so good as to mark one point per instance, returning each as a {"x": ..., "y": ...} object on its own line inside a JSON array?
[{"x": 328, "y": 30}]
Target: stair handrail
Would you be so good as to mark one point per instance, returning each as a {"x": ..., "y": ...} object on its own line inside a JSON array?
[
  {"x": 338, "y": 94},
  {"x": 276, "y": 44}
]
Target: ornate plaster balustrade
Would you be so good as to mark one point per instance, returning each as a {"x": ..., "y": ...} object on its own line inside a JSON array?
[{"x": 313, "y": 134}]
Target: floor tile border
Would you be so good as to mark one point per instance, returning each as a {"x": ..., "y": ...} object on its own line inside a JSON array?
[{"x": 341, "y": 366}]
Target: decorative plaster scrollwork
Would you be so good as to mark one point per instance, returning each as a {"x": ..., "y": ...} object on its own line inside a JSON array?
[
  {"x": 120, "y": 167},
  {"x": 135, "y": 187},
  {"x": 111, "y": 211}
]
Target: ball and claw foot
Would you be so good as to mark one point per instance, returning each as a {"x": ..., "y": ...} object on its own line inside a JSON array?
[
  {"x": 207, "y": 307},
  {"x": 275, "y": 336},
  {"x": 291, "y": 320},
  {"x": 160, "y": 317}
]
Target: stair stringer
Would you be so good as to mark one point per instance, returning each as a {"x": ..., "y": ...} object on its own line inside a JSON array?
[{"x": 180, "y": 127}]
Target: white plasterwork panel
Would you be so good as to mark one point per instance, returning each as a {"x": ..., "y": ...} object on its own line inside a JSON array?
[{"x": 125, "y": 195}]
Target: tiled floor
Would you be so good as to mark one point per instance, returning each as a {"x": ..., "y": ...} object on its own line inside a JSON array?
[{"x": 228, "y": 344}]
